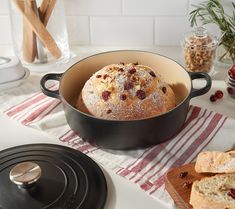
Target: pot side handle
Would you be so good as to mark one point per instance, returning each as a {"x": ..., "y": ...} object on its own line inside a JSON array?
[
  {"x": 203, "y": 90},
  {"x": 45, "y": 90}
]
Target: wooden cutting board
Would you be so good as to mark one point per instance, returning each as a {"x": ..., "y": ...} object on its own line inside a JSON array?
[{"x": 179, "y": 188}]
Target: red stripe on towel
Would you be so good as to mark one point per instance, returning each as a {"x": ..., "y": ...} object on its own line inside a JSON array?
[
  {"x": 155, "y": 151},
  {"x": 175, "y": 141},
  {"x": 28, "y": 102},
  {"x": 85, "y": 148},
  {"x": 61, "y": 138},
  {"x": 47, "y": 112},
  {"x": 36, "y": 113},
  {"x": 178, "y": 150},
  {"x": 69, "y": 136},
  {"x": 21, "y": 103},
  {"x": 25, "y": 105}
]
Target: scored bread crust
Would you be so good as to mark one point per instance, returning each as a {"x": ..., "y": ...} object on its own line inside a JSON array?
[
  {"x": 201, "y": 199},
  {"x": 126, "y": 92},
  {"x": 215, "y": 162}
]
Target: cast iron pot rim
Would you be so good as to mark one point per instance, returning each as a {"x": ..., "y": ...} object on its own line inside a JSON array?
[{"x": 133, "y": 120}]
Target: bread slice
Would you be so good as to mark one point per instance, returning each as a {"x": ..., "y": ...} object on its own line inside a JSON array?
[
  {"x": 216, "y": 192},
  {"x": 215, "y": 162}
]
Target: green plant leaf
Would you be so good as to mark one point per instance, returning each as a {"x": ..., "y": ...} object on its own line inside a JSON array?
[{"x": 212, "y": 11}]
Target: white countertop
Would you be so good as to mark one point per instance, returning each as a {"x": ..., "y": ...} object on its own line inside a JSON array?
[{"x": 122, "y": 194}]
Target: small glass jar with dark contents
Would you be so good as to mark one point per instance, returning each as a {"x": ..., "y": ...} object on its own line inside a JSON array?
[{"x": 231, "y": 81}]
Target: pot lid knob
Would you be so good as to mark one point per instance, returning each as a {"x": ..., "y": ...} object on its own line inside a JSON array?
[{"x": 25, "y": 174}]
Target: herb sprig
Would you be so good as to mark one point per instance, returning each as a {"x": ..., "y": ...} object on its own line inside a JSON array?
[{"x": 212, "y": 11}]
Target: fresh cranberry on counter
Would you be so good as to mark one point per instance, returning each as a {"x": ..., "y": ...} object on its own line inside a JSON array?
[
  {"x": 213, "y": 98},
  {"x": 219, "y": 94}
]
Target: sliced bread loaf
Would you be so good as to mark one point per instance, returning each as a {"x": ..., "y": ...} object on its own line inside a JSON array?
[
  {"x": 216, "y": 192},
  {"x": 215, "y": 162}
]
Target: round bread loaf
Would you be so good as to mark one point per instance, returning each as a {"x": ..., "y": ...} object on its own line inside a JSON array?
[{"x": 126, "y": 92}]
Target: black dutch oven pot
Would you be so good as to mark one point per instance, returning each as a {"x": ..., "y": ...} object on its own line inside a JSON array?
[{"x": 116, "y": 134}]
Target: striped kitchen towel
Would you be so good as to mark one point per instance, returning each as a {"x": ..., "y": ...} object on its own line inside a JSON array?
[{"x": 143, "y": 167}]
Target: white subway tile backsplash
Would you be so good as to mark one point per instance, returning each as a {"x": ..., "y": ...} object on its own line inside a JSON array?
[
  {"x": 4, "y": 7},
  {"x": 170, "y": 30},
  {"x": 5, "y": 34},
  {"x": 122, "y": 30},
  {"x": 92, "y": 7},
  {"x": 122, "y": 22},
  {"x": 78, "y": 30},
  {"x": 155, "y": 7}
]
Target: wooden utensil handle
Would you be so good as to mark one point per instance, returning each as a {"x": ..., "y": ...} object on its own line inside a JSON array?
[
  {"x": 29, "y": 37},
  {"x": 45, "y": 10},
  {"x": 40, "y": 30}
]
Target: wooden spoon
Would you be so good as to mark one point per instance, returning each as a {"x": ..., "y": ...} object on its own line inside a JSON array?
[
  {"x": 45, "y": 10},
  {"x": 29, "y": 46}
]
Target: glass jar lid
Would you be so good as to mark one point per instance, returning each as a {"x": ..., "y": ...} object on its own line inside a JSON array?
[{"x": 200, "y": 37}]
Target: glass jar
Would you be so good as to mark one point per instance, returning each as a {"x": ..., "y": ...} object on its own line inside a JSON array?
[
  {"x": 223, "y": 58},
  {"x": 199, "y": 48},
  {"x": 39, "y": 33},
  {"x": 231, "y": 82}
]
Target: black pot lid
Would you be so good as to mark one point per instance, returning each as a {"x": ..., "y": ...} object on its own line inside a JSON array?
[{"x": 50, "y": 177}]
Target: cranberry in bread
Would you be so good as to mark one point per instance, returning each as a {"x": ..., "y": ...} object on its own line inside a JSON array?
[{"x": 126, "y": 92}]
